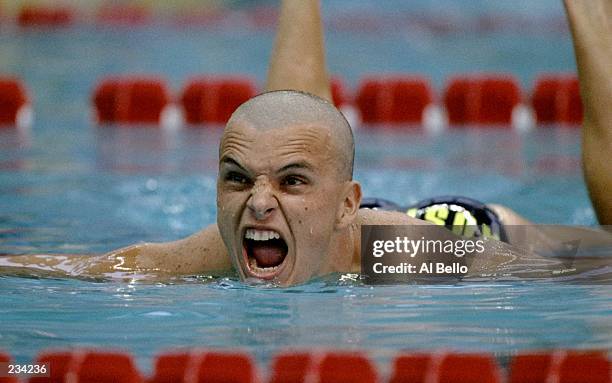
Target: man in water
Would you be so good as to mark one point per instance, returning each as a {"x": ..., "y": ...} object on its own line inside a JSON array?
[{"x": 288, "y": 209}]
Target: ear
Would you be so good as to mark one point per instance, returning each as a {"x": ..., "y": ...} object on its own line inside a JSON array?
[{"x": 349, "y": 207}]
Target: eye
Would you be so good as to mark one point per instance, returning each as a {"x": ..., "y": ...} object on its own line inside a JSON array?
[
  {"x": 237, "y": 178},
  {"x": 293, "y": 181}
]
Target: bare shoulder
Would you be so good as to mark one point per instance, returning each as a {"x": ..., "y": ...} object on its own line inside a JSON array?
[
  {"x": 201, "y": 252},
  {"x": 378, "y": 217},
  {"x": 382, "y": 217}
]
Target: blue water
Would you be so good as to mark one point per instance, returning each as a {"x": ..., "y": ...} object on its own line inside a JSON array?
[
  {"x": 69, "y": 187},
  {"x": 146, "y": 319}
]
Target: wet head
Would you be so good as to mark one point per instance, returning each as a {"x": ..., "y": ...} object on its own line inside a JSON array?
[{"x": 285, "y": 195}]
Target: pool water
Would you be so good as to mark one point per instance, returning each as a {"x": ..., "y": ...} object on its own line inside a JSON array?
[
  {"x": 67, "y": 186},
  {"x": 146, "y": 319}
]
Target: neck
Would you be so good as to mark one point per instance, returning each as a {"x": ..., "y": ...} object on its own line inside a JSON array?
[{"x": 345, "y": 250}]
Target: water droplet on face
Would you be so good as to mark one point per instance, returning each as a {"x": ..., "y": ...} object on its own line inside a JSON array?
[{"x": 311, "y": 230}]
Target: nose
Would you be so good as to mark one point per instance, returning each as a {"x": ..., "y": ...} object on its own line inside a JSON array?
[{"x": 262, "y": 201}]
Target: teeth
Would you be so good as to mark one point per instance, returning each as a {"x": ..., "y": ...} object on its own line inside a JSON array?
[
  {"x": 261, "y": 235},
  {"x": 253, "y": 265}
]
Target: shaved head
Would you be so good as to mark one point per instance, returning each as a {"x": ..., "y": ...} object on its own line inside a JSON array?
[
  {"x": 278, "y": 109},
  {"x": 285, "y": 194}
]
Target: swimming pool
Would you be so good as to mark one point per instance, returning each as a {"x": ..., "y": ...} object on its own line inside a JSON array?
[{"x": 68, "y": 187}]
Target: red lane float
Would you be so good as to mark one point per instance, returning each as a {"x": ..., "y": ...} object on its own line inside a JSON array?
[
  {"x": 330, "y": 367},
  {"x": 345, "y": 367},
  {"x": 88, "y": 367},
  {"x": 204, "y": 367},
  {"x": 170, "y": 367},
  {"x": 13, "y": 98},
  {"x": 592, "y": 367},
  {"x": 107, "y": 367},
  {"x": 130, "y": 100},
  {"x": 484, "y": 99},
  {"x": 61, "y": 363},
  {"x": 292, "y": 368},
  {"x": 42, "y": 16},
  {"x": 194, "y": 366},
  {"x": 556, "y": 100},
  {"x": 213, "y": 368},
  {"x": 339, "y": 93},
  {"x": 412, "y": 368},
  {"x": 472, "y": 368},
  {"x": 393, "y": 100},
  {"x": 213, "y": 100},
  {"x": 6, "y": 358},
  {"x": 445, "y": 368},
  {"x": 529, "y": 368},
  {"x": 560, "y": 367}
]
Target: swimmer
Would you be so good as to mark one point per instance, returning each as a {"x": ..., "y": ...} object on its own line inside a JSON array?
[
  {"x": 591, "y": 26},
  {"x": 288, "y": 209}
]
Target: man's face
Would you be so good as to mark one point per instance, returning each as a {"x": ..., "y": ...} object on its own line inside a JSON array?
[{"x": 278, "y": 194}]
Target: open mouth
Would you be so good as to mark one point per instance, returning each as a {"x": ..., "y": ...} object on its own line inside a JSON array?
[{"x": 265, "y": 252}]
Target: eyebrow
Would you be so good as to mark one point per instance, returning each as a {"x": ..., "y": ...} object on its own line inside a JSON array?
[
  {"x": 227, "y": 160},
  {"x": 230, "y": 161},
  {"x": 296, "y": 165}
]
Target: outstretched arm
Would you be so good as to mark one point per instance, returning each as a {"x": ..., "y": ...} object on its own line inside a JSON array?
[
  {"x": 298, "y": 58},
  {"x": 202, "y": 252},
  {"x": 591, "y": 25}
]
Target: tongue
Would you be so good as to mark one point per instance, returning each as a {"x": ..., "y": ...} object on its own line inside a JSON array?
[{"x": 266, "y": 254}]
